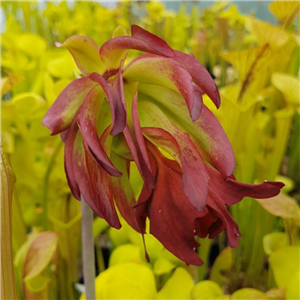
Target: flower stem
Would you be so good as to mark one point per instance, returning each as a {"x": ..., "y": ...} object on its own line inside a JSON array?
[{"x": 88, "y": 255}]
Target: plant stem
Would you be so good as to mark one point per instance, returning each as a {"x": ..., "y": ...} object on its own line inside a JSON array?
[{"x": 88, "y": 255}]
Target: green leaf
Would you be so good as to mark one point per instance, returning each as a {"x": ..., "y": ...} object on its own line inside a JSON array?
[
  {"x": 125, "y": 281},
  {"x": 249, "y": 294},
  {"x": 285, "y": 265},
  {"x": 179, "y": 286},
  {"x": 274, "y": 241},
  {"x": 207, "y": 290}
]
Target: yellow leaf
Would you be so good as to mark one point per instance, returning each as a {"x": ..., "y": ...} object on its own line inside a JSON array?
[
  {"x": 266, "y": 33},
  {"x": 285, "y": 265},
  {"x": 221, "y": 265},
  {"x": 8, "y": 290},
  {"x": 31, "y": 44},
  {"x": 7, "y": 83},
  {"x": 281, "y": 206},
  {"x": 292, "y": 290},
  {"x": 207, "y": 290},
  {"x": 40, "y": 254},
  {"x": 125, "y": 254},
  {"x": 125, "y": 281},
  {"x": 179, "y": 286},
  {"x": 274, "y": 241},
  {"x": 163, "y": 266},
  {"x": 31, "y": 261},
  {"x": 249, "y": 294},
  {"x": 288, "y": 85},
  {"x": 285, "y": 11}
]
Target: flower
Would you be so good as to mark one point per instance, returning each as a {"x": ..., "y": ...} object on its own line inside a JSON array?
[{"x": 150, "y": 112}]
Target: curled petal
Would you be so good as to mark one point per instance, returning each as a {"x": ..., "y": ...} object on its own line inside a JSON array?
[
  {"x": 123, "y": 194},
  {"x": 87, "y": 120},
  {"x": 85, "y": 53},
  {"x": 101, "y": 192},
  {"x": 199, "y": 74},
  {"x": 164, "y": 72},
  {"x": 172, "y": 217},
  {"x": 63, "y": 110},
  {"x": 141, "y": 164},
  {"x": 206, "y": 132},
  {"x": 141, "y": 147},
  {"x": 233, "y": 191},
  {"x": 180, "y": 146},
  {"x": 115, "y": 96},
  {"x": 68, "y": 161},
  {"x": 217, "y": 205},
  {"x": 115, "y": 49}
]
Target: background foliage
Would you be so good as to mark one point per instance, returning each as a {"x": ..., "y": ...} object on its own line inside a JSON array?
[{"x": 256, "y": 66}]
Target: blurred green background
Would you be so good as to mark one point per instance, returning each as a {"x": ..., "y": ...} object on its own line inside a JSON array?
[{"x": 252, "y": 51}]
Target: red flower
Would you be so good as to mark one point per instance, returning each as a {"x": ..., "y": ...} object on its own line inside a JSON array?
[{"x": 117, "y": 114}]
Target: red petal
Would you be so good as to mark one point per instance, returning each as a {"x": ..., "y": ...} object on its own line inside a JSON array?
[
  {"x": 206, "y": 132},
  {"x": 68, "y": 161},
  {"x": 115, "y": 95},
  {"x": 101, "y": 192},
  {"x": 114, "y": 50},
  {"x": 195, "y": 177},
  {"x": 158, "y": 44},
  {"x": 172, "y": 217},
  {"x": 216, "y": 203},
  {"x": 141, "y": 164},
  {"x": 87, "y": 120},
  {"x": 63, "y": 110},
  {"x": 233, "y": 191},
  {"x": 200, "y": 75},
  {"x": 141, "y": 147},
  {"x": 123, "y": 193}
]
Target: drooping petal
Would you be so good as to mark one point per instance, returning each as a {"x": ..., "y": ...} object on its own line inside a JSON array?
[
  {"x": 142, "y": 166},
  {"x": 215, "y": 202},
  {"x": 165, "y": 72},
  {"x": 172, "y": 217},
  {"x": 70, "y": 137},
  {"x": 63, "y": 110},
  {"x": 140, "y": 142},
  {"x": 115, "y": 96},
  {"x": 123, "y": 194},
  {"x": 233, "y": 191},
  {"x": 87, "y": 179},
  {"x": 206, "y": 132},
  {"x": 178, "y": 144},
  {"x": 115, "y": 49},
  {"x": 101, "y": 191},
  {"x": 209, "y": 225},
  {"x": 85, "y": 53},
  {"x": 87, "y": 119},
  {"x": 199, "y": 74}
]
